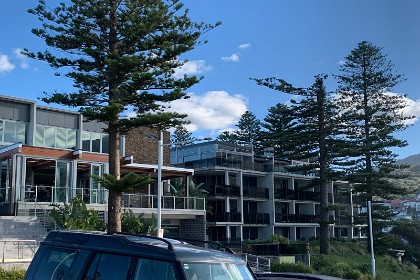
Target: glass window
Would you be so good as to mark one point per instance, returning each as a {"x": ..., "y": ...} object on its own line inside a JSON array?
[
  {"x": 213, "y": 271},
  {"x": 105, "y": 143},
  {"x": 55, "y": 264},
  {"x": 39, "y": 136},
  {"x": 154, "y": 270},
  {"x": 109, "y": 267},
  {"x": 49, "y": 137},
  {"x": 21, "y": 133},
  {"x": 96, "y": 142},
  {"x": 1, "y": 130},
  {"x": 61, "y": 138},
  {"x": 9, "y": 132},
  {"x": 86, "y": 141},
  {"x": 71, "y": 139}
]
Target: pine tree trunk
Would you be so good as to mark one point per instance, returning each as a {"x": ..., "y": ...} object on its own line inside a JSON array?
[
  {"x": 114, "y": 200},
  {"x": 323, "y": 169}
]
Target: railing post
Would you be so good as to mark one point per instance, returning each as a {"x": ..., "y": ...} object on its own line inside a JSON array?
[{"x": 4, "y": 245}]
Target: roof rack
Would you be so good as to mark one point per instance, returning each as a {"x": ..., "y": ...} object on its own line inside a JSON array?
[
  {"x": 170, "y": 245},
  {"x": 217, "y": 244}
]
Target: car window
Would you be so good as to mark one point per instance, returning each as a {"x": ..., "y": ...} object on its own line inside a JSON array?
[
  {"x": 55, "y": 264},
  {"x": 154, "y": 270},
  {"x": 108, "y": 267},
  {"x": 217, "y": 271}
]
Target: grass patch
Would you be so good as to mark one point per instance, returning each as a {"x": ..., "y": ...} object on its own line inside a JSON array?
[
  {"x": 351, "y": 260},
  {"x": 12, "y": 274}
]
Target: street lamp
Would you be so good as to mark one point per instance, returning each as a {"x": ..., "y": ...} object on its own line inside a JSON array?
[
  {"x": 160, "y": 162},
  {"x": 372, "y": 253}
]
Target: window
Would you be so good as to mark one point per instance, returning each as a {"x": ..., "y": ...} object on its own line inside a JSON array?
[
  {"x": 55, "y": 264},
  {"x": 55, "y": 137},
  {"x": 13, "y": 132},
  {"x": 213, "y": 271},
  {"x": 109, "y": 267},
  {"x": 154, "y": 270},
  {"x": 95, "y": 142}
]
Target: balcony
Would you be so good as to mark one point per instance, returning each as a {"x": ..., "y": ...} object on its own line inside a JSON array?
[
  {"x": 223, "y": 190},
  {"x": 257, "y": 193},
  {"x": 296, "y": 218},
  {"x": 297, "y": 195},
  {"x": 225, "y": 217},
  {"x": 168, "y": 202},
  {"x": 256, "y": 218}
]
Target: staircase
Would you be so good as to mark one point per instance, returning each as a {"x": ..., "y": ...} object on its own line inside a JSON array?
[{"x": 20, "y": 237}]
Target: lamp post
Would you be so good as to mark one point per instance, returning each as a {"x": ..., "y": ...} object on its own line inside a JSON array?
[
  {"x": 159, "y": 192},
  {"x": 371, "y": 239},
  {"x": 159, "y": 175}
]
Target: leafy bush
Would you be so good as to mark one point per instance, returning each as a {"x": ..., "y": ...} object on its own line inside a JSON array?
[
  {"x": 137, "y": 224},
  {"x": 278, "y": 239},
  {"x": 130, "y": 222},
  {"x": 76, "y": 216},
  {"x": 290, "y": 267},
  {"x": 12, "y": 274}
]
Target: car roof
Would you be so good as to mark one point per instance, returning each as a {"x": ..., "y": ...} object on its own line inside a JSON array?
[{"x": 140, "y": 245}]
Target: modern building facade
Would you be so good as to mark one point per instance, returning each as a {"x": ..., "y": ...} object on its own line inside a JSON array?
[
  {"x": 254, "y": 197},
  {"x": 48, "y": 155}
]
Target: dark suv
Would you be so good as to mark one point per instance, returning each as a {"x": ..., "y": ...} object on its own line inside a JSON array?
[{"x": 69, "y": 255}]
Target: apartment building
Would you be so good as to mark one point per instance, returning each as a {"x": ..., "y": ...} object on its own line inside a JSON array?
[
  {"x": 48, "y": 155},
  {"x": 253, "y": 197}
]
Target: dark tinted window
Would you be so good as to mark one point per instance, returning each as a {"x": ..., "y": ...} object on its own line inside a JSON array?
[
  {"x": 154, "y": 270},
  {"x": 108, "y": 267},
  {"x": 55, "y": 264}
]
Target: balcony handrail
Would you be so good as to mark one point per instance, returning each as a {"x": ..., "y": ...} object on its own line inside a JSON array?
[
  {"x": 168, "y": 202},
  {"x": 21, "y": 243}
]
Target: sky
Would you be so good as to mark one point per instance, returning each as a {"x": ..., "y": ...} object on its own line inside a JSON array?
[{"x": 289, "y": 39}]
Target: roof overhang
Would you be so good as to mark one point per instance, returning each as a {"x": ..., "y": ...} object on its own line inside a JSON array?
[{"x": 167, "y": 171}]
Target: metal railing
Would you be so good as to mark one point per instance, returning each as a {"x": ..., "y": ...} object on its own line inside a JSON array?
[
  {"x": 38, "y": 210},
  {"x": 257, "y": 263},
  {"x": 31, "y": 245},
  {"x": 168, "y": 202}
]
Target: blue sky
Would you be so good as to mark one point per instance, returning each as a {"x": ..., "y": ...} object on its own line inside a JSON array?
[{"x": 290, "y": 39}]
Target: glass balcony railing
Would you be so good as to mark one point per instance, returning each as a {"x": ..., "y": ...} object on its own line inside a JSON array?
[
  {"x": 168, "y": 202},
  {"x": 296, "y": 218},
  {"x": 257, "y": 193},
  {"x": 226, "y": 217},
  {"x": 223, "y": 190},
  {"x": 256, "y": 218},
  {"x": 297, "y": 195}
]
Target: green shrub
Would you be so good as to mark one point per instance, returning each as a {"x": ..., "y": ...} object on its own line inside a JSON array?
[
  {"x": 290, "y": 267},
  {"x": 75, "y": 215},
  {"x": 12, "y": 274},
  {"x": 278, "y": 239},
  {"x": 130, "y": 222}
]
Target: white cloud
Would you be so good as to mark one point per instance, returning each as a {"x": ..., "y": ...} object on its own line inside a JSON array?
[
  {"x": 214, "y": 110},
  {"x": 23, "y": 60},
  {"x": 234, "y": 57},
  {"x": 5, "y": 64},
  {"x": 412, "y": 109},
  {"x": 193, "y": 67},
  {"x": 244, "y": 46}
]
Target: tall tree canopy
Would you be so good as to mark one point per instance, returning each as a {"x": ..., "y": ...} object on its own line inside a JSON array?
[
  {"x": 182, "y": 136},
  {"x": 247, "y": 132},
  {"x": 249, "y": 129},
  {"x": 278, "y": 130},
  {"x": 121, "y": 56},
  {"x": 310, "y": 129},
  {"x": 370, "y": 116}
]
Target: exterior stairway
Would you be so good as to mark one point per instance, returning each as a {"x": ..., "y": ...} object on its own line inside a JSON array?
[{"x": 20, "y": 237}]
